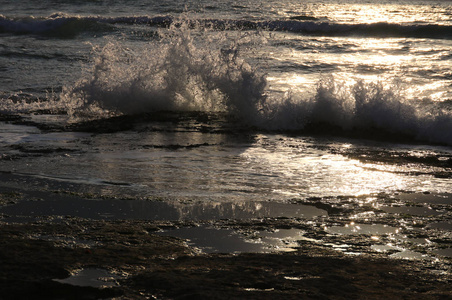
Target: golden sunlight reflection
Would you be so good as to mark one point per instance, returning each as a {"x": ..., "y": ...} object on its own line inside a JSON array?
[
  {"x": 379, "y": 59},
  {"x": 308, "y": 172},
  {"x": 293, "y": 82},
  {"x": 375, "y": 230},
  {"x": 377, "y": 45},
  {"x": 376, "y": 13}
]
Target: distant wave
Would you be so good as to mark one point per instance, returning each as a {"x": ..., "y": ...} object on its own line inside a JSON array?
[
  {"x": 374, "y": 30},
  {"x": 58, "y": 25},
  {"x": 67, "y": 26}
]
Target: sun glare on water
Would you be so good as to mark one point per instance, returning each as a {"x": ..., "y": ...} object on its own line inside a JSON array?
[{"x": 310, "y": 172}]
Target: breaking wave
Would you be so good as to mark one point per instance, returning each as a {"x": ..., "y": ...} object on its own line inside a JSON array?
[
  {"x": 177, "y": 73},
  {"x": 187, "y": 70},
  {"x": 371, "y": 110},
  {"x": 63, "y": 25},
  {"x": 182, "y": 73}
]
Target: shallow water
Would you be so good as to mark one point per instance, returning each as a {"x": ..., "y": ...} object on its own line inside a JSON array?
[
  {"x": 92, "y": 277},
  {"x": 325, "y": 113},
  {"x": 188, "y": 164},
  {"x": 213, "y": 240}
]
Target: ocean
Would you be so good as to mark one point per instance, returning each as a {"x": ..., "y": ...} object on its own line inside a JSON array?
[{"x": 337, "y": 114}]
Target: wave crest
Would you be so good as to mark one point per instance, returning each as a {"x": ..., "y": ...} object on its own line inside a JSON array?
[
  {"x": 189, "y": 69},
  {"x": 63, "y": 25},
  {"x": 176, "y": 73},
  {"x": 365, "y": 110},
  {"x": 57, "y": 25}
]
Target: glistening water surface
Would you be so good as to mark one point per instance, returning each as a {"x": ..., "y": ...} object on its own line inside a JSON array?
[
  {"x": 189, "y": 164},
  {"x": 321, "y": 113}
]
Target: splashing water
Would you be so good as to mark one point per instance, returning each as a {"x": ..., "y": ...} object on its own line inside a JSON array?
[
  {"x": 189, "y": 67},
  {"x": 364, "y": 107},
  {"x": 178, "y": 73}
]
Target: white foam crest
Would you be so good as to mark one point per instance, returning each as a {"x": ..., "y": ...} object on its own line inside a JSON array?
[
  {"x": 362, "y": 106},
  {"x": 200, "y": 70},
  {"x": 331, "y": 104},
  {"x": 380, "y": 106},
  {"x": 437, "y": 127},
  {"x": 177, "y": 73}
]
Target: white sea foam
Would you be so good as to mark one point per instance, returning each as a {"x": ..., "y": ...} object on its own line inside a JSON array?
[
  {"x": 177, "y": 73},
  {"x": 183, "y": 73},
  {"x": 364, "y": 106},
  {"x": 193, "y": 69}
]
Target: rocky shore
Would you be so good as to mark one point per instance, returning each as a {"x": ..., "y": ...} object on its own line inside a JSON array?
[{"x": 38, "y": 259}]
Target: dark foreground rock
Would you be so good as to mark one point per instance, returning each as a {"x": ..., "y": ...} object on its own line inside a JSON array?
[{"x": 151, "y": 266}]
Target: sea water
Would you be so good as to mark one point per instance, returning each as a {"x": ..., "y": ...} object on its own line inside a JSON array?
[{"x": 234, "y": 108}]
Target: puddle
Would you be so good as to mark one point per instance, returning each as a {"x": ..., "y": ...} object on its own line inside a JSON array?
[
  {"x": 371, "y": 229},
  {"x": 339, "y": 247},
  {"x": 92, "y": 277},
  {"x": 419, "y": 241},
  {"x": 259, "y": 290},
  {"x": 383, "y": 248},
  {"x": 61, "y": 205},
  {"x": 408, "y": 254},
  {"x": 281, "y": 239},
  {"x": 400, "y": 253},
  {"x": 411, "y": 210},
  {"x": 447, "y": 252},
  {"x": 432, "y": 198},
  {"x": 441, "y": 225},
  {"x": 214, "y": 240}
]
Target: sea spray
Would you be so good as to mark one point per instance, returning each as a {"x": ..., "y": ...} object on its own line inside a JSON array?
[
  {"x": 194, "y": 68},
  {"x": 384, "y": 107},
  {"x": 361, "y": 107},
  {"x": 179, "y": 73}
]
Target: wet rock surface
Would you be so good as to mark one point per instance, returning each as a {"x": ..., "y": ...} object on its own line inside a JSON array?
[
  {"x": 53, "y": 232},
  {"x": 149, "y": 265}
]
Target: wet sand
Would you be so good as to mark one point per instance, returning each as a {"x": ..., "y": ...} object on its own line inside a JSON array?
[{"x": 144, "y": 265}]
